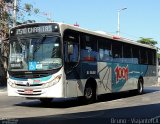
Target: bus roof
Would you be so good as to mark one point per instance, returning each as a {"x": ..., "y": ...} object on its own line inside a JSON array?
[{"x": 103, "y": 34}]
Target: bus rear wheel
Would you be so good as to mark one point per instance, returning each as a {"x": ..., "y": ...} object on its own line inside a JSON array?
[
  {"x": 46, "y": 100},
  {"x": 89, "y": 94},
  {"x": 140, "y": 87}
]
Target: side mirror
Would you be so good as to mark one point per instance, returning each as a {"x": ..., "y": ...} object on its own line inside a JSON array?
[{"x": 70, "y": 49}]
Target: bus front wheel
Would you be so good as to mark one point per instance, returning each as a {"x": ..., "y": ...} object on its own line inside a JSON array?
[{"x": 89, "y": 94}]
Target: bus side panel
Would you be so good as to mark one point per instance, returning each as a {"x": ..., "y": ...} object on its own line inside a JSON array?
[
  {"x": 125, "y": 76},
  {"x": 88, "y": 70},
  {"x": 101, "y": 72},
  {"x": 73, "y": 80},
  {"x": 77, "y": 78},
  {"x": 150, "y": 77},
  {"x": 105, "y": 77},
  {"x": 110, "y": 77}
]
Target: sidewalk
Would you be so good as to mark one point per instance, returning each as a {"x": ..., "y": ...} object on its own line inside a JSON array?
[{"x": 3, "y": 89}]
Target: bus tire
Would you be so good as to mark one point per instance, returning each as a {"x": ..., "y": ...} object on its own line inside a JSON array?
[
  {"x": 140, "y": 87},
  {"x": 89, "y": 93},
  {"x": 46, "y": 100}
]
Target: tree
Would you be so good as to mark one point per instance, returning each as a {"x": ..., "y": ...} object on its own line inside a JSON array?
[
  {"x": 24, "y": 11},
  {"x": 4, "y": 18},
  {"x": 148, "y": 41},
  {"x": 6, "y": 15},
  {"x": 6, "y": 22}
]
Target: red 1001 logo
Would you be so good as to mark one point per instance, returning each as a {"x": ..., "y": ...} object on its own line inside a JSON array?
[{"x": 121, "y": 73}]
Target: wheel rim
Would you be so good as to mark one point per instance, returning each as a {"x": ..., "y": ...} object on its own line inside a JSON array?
[{"x": 88, "y": 93}]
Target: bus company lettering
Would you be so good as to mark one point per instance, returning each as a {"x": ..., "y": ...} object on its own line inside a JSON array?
[{"x": 121, "y": 73}]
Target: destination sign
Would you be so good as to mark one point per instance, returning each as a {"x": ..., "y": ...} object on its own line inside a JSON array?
[{"x": 37, "y": 29}]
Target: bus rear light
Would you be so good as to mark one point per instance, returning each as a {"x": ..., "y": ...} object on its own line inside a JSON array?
[{"x": 53, "y": 82}]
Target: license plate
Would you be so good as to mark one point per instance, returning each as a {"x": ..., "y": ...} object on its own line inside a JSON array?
[{"x": 28, "y": 91}]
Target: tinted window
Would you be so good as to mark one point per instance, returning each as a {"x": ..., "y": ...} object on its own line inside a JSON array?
[
  {"x": 71, "y": 46},
  {"x": 71, "y": 49},
  {"x": 127, "y": 53},
  {"x": 135, "y": 53},
  {"x": 88, "y": 48},
  {"x": 143, "y": 56},
  {"x": 117, "y": 51},
  {"x": 150, "y": 57},
  {"x": 104, "y": 47},
  {"x": 154, "y": 53},
  {"x": 32, "y": 54}
]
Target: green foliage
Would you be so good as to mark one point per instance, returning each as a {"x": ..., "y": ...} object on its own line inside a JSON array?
[
  {"x": 25, "y": 11},
  {"x": 148, "y": 41},
  {"x": 158, "y": 55},
  {"x": 30, "y": 9},
  {"x": 6, "y": 17},
  {"x": 36, "y": 11}
]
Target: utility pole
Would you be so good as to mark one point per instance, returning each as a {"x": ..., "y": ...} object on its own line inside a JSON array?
[{"x": 15, "y": 13}]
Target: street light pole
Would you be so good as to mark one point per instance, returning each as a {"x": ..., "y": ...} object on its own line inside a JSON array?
[
  {"x": 118, "y": 28},
  {"x": 14, "y": 13}
]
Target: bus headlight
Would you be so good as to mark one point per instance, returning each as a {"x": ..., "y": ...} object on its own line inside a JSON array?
[
  {"x": 12, "y": 84},
  {"x": 53, "y": 82}
]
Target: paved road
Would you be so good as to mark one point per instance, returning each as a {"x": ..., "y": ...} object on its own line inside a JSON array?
[{"x": 111, "y": 108}]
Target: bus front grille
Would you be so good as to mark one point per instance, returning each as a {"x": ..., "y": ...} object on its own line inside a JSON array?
[
  {"x": 29, "y": 92},
  {"x": 34, "y": 85}
]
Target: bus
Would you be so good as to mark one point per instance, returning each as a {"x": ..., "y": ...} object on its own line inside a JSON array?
[{"x": 57, "y": 60}]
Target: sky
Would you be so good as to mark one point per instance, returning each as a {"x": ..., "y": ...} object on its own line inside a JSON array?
[{"x": 140, "y": 19}]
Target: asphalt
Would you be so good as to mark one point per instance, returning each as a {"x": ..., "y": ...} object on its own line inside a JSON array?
[{"x": 4, "y": 88}]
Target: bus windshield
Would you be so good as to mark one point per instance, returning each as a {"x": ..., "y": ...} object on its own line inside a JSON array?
[{"x": 35, "y": 54}]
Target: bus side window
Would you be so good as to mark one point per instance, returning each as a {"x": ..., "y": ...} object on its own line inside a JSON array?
[
  {"x": 143, "y": 56},
  {"x": 117, "y": 51},
  {"x": 151, "y": 57},
  {"x": 154, "y": 52},
  {"x": 136, "y": 54},
  {"x": 88, "y": 48},
  {"x": 104, "y": 47},
  {"x": 127, "y": 53},
  {"x": 71, "y": 49}
]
